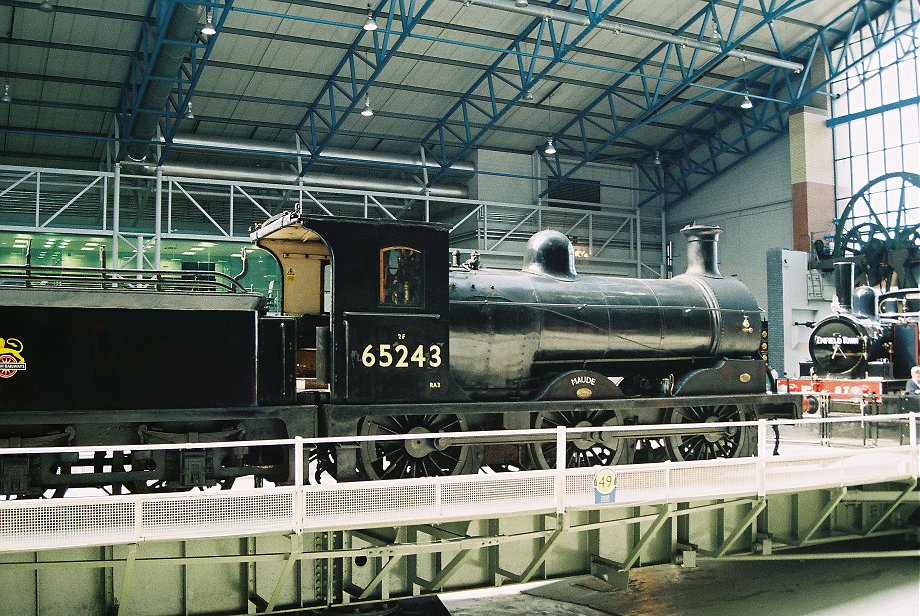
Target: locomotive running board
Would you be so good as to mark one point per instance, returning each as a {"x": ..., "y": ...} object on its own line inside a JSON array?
[{"x": 777, "y": 406}]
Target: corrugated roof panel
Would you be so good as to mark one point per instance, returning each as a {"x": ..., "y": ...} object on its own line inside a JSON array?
[{"x": 265, "y": 70}]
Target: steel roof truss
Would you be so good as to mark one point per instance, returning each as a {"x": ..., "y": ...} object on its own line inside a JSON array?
[
  {"x": 769, "y": 119},
  {"x": 328, "y": 112},
  {"x": 150, "y": 43},
  {"x": 561, "y": 43},
  {"x": 660, "y": 103}
]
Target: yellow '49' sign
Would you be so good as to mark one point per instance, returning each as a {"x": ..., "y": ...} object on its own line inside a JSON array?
[{"x": 605, "y": 484}]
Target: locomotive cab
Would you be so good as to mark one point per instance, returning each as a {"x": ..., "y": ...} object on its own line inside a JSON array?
[
  {"x": 371, "y": 301},
  {"x": 306, "y": 271}
]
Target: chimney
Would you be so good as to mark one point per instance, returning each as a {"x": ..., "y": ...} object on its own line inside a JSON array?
[
  {"x": 702, "y": 250},
  {"x": 843, "y": 283}
]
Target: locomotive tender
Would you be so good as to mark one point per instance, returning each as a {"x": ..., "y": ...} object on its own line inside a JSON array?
[{"x": 376, "y": 336}]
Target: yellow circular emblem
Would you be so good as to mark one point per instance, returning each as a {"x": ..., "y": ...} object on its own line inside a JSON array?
[
  {"x": 745, "y": 377},
  {"x": 584, "y": 393},
  {"x": 605, "y": 481}
]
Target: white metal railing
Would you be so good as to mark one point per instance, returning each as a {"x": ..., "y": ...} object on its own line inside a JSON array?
[
  {"x": 39, "y": 200},
  {"x": 34, "y": 197},
  {"x": 104, "y": 520}
]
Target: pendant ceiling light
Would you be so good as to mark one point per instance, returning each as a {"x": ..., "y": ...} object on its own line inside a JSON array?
[
  {"x": 367, "y": 112},
  {"x": 550, "y": 148},
  {"x": 370, "y": 24},
  {"x": 208, "y": 28}
]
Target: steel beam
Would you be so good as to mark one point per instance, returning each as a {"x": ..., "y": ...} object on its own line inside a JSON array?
[
  {"x": 656, "y": 101},
  {"x": 530, "y": 71},
  {"x": 601, "y": 55},
  {"x": 335, "y": 102},
  {"x": 743, "y": 525},
  {"x": 907, "y": 102},
  {"x": 152, "y": 46},
  {"x": 222, "y": 563},
  {"x": 624, "y": 27},
  {"x": 733, "y": 135}
]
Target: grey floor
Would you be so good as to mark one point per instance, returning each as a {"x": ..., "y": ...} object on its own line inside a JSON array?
[{"x": 877, "y": 587}]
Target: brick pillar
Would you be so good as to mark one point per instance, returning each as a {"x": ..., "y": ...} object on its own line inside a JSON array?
[{"x": 811, "y": 154}]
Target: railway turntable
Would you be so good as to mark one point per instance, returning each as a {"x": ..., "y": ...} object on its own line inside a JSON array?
[{"x": 278, "y": 548}]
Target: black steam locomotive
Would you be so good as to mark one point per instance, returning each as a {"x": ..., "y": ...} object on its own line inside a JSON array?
[
  {"x": 376, "y": 336},
  {"x": 864, "y": 351}
]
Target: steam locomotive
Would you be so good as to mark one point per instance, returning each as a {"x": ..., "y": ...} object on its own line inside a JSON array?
[
  {"x": 861, "y": 355},
  {"x": 377, "y": 335}
]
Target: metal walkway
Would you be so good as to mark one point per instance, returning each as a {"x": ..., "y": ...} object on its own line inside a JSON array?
[{"x": 273, "y": 548}]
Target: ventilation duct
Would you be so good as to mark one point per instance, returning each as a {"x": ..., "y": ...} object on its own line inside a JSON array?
[
  {"x": 181, "y": 27},
  {"x": 268, "y": 147},
  {"x": 325, "y": 180}
]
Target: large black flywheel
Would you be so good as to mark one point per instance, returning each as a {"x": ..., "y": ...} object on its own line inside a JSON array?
[
  {"x": 879, "y": 228},
  {"x": 724, "y": 442},
  {"x": 415, "y": 457},
  {"x": 582, "y": 449}
]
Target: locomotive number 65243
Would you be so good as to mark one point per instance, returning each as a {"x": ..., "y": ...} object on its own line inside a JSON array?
[{"x": 401, "y": 356}]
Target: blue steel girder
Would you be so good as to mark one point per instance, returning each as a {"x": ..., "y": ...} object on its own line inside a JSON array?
[
  {"x": 726, "y": 128},
  {"x": 335, "y": 101},
  {"x": 706, "y": 24},
  {"x": 531, "y": 67},
  {"x": 190, "y": 73},
  {"x": 152, "y": 41}
]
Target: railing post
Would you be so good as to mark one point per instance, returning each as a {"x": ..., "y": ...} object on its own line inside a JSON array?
[
  {"x": 668, "y": 469},
  {"x": 298, "y": 461},
  {"x": 560, "y": 469},
  {"x": 38, "y": 198},
  {"x": 158, "y": 220},
  {"x": 761, "y": 457},
  {"x": 116, "y": 216},
  {"x": 105, "y": 202},
  {"x": 438, "y": 496},
  {"x": 427, "y": 192},
  {"x": 913, "y": 443},
  {"x": 138, "y": 520},
  {"x": 485, "y": 227},
  {"x": 297, "y": 510}
]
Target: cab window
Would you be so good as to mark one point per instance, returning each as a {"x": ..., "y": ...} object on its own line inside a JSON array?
[{"x": 401, "y": 277}]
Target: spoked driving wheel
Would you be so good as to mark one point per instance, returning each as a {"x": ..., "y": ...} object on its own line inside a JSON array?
[
  {"x": 724, "y": 442},
  {"x": 582, "y": 449},
  {"x": 415, "y": 457}
]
